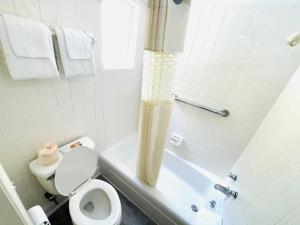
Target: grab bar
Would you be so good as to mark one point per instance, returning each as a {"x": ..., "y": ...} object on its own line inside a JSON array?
[{"x": 223, "y": 112}]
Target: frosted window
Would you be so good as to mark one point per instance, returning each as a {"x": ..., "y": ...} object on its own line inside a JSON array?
[{"x": 120, "y": 24}]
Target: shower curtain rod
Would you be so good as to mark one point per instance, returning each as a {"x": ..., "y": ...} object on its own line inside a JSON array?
[{"x": 223, "y": 112}]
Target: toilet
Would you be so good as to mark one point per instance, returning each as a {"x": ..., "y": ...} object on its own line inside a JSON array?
[{"x": 91, "y": 201}]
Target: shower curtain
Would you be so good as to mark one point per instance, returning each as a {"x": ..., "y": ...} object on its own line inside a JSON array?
[{"x": 166, "y": 25}]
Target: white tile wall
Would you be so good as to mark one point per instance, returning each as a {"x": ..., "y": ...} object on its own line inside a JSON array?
[
  {"x": 235, "y": 58},
  {"x": 104, "y": 107},
  {"x": 269, "y": 168}
]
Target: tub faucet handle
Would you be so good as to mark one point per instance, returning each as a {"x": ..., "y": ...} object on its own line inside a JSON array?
[
  {"x": 234, "y": 194},
  {"x": 232, "y": 176},
  {"x": 212, "y": 204}
]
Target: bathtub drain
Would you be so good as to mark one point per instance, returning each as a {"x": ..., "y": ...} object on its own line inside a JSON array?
[{"x": 194, "y": 208}]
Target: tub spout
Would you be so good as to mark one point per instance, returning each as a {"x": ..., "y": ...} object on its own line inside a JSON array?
[{"x": 226, "y": 191}]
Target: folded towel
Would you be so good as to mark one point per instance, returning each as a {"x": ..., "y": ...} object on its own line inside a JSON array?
[
  {"x": 78, "y": 44},
  {"x": 76, "y": 52},
  {"x": 27, "y": 37},
  {"x": 27, "y": 48}
]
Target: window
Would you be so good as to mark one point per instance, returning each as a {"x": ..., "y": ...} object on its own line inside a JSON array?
[{"x": 119, "y": 24}]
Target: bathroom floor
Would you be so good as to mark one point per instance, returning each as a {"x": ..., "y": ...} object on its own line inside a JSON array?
[{"x": 131, "y": 215}]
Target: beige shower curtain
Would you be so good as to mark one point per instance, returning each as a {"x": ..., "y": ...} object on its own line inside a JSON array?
[{"x": 166, "y": 25}]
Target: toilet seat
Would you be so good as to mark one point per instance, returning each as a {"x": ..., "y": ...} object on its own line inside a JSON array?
[{"x": 115, "y": 211}]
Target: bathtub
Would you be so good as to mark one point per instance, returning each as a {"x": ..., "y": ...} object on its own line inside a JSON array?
[{"x": 183, "y": 192}]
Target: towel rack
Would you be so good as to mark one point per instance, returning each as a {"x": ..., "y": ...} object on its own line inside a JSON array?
[
  {"x": 89, "y": 34},
  {"x": 223, "y": 112}
]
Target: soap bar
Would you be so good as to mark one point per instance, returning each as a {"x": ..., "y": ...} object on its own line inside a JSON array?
[{"x": 176, "y": 139}]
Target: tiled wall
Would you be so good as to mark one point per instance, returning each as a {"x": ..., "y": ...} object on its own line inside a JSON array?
[
  {"x": 269, "y": 168},
  {"x": 235, "y": 58},
  {"x": 104, "y": 107}
]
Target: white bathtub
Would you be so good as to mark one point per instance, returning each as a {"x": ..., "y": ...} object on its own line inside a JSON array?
[{"x": 180, "y": 185}]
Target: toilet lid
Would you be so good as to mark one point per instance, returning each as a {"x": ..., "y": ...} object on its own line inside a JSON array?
[{"x": 75, "y": 168}]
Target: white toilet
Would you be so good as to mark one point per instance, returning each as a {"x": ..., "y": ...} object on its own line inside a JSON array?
[{"x": 92, "y": 201}]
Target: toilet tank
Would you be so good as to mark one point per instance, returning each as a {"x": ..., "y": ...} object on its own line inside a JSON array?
[{"x": 46, "y": 174}]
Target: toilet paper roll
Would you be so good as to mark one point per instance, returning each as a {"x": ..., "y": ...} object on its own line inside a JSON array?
[
  {"x": 48, "y": 154},
  {"x": 38, "y": 215}
]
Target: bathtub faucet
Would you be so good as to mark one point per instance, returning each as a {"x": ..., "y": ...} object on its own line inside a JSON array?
[{"x": 226, "y": 191}]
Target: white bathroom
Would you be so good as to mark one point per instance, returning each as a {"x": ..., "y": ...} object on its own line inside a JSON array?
[{"x": 149, "y": 112}]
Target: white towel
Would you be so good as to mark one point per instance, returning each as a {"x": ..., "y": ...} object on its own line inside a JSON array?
[
  {"x": 27, "y": 48},
  {"x": 78, "y": 44},
  {"x": 76, "y": 52},
  {"x": 28, "y": 38}
]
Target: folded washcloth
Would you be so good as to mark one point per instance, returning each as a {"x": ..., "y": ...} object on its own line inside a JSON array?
[
  {"x": 78, "y": 43},
  {"x": 27, "y": 48},
  {"x": 76, "y": 52}
]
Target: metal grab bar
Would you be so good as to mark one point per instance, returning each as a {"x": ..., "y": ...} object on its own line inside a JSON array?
[{"x": 223, "y": 112}]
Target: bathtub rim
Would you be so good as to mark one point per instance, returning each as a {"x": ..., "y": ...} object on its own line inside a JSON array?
[{"x": 112, "y": 165}]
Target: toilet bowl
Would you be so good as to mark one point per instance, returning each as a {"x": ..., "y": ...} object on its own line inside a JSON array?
[
  {"x": 95, "y": 204},
  {"x": 91, "y": 201}
]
